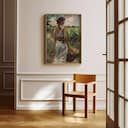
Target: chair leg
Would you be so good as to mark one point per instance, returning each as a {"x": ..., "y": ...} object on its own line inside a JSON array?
[
  {"x": 74, "y": 104},
  {"x": 63, "y": 105},
  {"x": 74, "y": 99},
  {"x": 63, "y": 99},
  {"x": 94, "y": 98},
  {"x": 94, "y": 104},
  {"x": 86, "y": 102}
]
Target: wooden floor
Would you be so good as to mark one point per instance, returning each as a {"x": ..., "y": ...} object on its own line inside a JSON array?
[{"x": 50, "y": 119}]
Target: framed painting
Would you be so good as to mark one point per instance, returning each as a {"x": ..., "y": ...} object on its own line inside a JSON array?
[{"x": 62, "y": 39}]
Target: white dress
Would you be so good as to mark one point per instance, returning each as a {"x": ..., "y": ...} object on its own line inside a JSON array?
[{"x": 61, "y": 48}]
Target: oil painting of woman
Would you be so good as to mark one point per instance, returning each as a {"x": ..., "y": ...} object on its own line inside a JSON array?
[{"x": 63, "y": 39}]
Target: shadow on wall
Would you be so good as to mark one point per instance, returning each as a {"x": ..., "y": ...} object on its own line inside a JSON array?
[{"x": 45, "y": 97}]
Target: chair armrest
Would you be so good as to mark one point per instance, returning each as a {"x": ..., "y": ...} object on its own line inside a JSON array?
[
  {"x": 69, "y": 82},
  {"x": 66, "y": 84}
]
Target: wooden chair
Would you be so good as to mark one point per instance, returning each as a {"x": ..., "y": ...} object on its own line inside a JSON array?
[{"x": 87, "y": 80}]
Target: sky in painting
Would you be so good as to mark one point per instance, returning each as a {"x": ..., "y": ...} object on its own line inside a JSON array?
[{"x": 70, "y": 20}]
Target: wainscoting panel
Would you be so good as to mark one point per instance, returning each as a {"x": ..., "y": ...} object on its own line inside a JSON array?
[
  {"x": 8, "y": 80},
  {"x": 7, "y": 46},
  {"x": 41, "y": 90},
  {"x": 44, "y": 92}
]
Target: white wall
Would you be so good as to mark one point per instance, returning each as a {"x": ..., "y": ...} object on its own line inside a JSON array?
[{"x": 30, "y": 42}]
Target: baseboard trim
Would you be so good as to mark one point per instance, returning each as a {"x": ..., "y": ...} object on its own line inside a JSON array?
[{"x": 100, "y": 105}]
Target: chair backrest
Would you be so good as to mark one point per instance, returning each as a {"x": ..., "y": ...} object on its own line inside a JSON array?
[{"x": 84, "y": 78}]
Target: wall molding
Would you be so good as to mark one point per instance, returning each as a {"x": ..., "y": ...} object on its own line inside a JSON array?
[
  {"x": 4, "y": 37},
  {"x": 3, "y": 57},
  {"x": 7, "y": 67},
  {"x": 4, "y": 81},
  {"x": 6, "y": 94},
  {"x": 26, "y": 103},
  {"x": 100, "y": 77},
  {"x": 56, "y": 73},
  {"x": 23, "y": 99},
  {"x": 57, "y": 105}
]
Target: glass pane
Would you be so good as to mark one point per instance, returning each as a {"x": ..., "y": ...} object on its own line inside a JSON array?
[
  {"x": 108, "y": 49},
  {"x": 121, "y": 9},
  {"x": 111, "y": 105},
  {"x": 126, "y": 114},
  {"x": 108, "y": 76},
  {"x": 121, "y": 78},
  {"x": 111, "y": 47},
  {"x": 126, "y": 38},
  {"x": 111, "y": 11},
  {"x": 108, "y": 18},
  {"x": 121, "y": 113},
  {"x": 111, "y": 76},
  {"x": 126, "y": 81},
  {"x": 108, "y": 103},
  {"x": 126, "y": 8},
  {"x": 121, "y": 41}
]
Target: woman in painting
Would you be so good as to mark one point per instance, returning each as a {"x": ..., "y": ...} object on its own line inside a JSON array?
[{"x": 62, "y": 46}]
